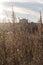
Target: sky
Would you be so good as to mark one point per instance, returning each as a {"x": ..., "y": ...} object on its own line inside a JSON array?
[{"x": 29, "y": 9}]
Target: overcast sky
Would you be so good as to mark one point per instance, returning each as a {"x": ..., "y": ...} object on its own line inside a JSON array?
[{"x": 23, "y": 8}]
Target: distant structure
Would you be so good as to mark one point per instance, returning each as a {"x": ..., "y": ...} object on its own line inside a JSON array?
[
  {"x": 40, "y": 25},
  {"x": 40, "y": 18},
  {"x": 23, "y": 20}
]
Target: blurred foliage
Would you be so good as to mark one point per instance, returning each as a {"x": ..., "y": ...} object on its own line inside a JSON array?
[{"x": 21, "y": 47}]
